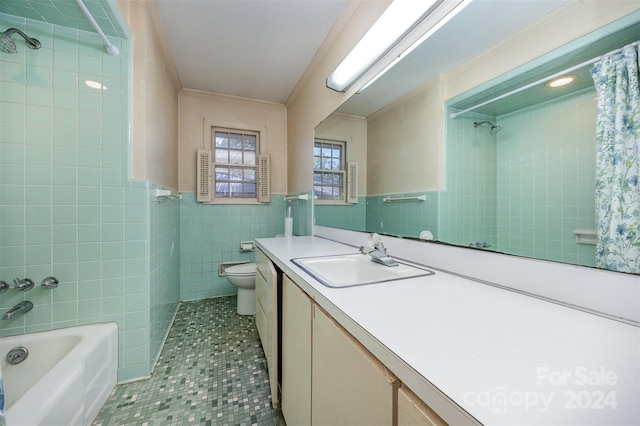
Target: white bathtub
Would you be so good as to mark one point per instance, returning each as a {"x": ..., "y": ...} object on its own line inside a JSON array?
[{"x": 66, "y": 378}]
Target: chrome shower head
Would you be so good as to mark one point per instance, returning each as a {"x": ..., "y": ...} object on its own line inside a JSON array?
[
  {"x": 494, "y": 129},
  {"x": 7, "y": 44}
]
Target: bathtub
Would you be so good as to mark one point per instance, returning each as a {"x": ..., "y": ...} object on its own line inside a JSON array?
[{"x": 66, "y": 378}]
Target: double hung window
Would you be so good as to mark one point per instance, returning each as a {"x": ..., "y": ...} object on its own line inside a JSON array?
[{"x": 329, "y": 169}]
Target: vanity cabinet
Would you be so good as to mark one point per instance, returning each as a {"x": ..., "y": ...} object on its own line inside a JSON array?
[
  {"x": 296, "y": 354},
  {"x": 267, "y": 318},
  {"x": 349, "y": 386},
  {"x": 413, "y": 412},
  {"x": 329, "y": 378}
]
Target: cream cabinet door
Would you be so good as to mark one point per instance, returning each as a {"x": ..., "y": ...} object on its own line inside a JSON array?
[
  {"x": 349, "y": 386},
  {"x": 267, "y": 318},
  {"x": 296, "y": 355},
  {"x": 413, "y": 412}
]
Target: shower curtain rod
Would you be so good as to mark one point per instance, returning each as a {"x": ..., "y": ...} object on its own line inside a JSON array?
[
  {"x": 542, "y": 80},
  {"x": 111, "y": 49}
]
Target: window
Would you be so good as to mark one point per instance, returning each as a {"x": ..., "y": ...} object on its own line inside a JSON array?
[
  {"x": 233, "y": 170},
  {"x": 235, "y": 159},
  {"x": 329, "y": 169}
]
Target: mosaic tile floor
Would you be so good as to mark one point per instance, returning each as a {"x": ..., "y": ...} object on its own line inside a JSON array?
[{"x": 212, "y": 371}]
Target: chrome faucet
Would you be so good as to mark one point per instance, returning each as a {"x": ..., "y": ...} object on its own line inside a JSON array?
[
  {"x": 23, "y": 284},
  {"x": 375, "y": 248},
  {"x": 21, "y": 308}
]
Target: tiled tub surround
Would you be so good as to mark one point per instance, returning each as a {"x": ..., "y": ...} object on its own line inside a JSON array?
[
  {"x": 535, "y": 180},
  {"x": 482, "y": 340},
  {"x": 212, "y": 371},
  {"x": 67, "y": 207}
]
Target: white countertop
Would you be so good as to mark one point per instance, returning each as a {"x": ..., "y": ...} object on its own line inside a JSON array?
[{"x": 501, "y": 357}]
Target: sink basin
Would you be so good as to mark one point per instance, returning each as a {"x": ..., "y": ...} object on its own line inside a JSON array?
[{"x": 348, "y": 270}]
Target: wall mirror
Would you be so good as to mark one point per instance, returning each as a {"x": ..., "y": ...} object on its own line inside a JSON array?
[{"x": 506, "y": 165}]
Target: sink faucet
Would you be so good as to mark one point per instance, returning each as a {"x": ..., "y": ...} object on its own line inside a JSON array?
[
  {"x": 375, "y": 248},
  {"x": 21, "y": 308}
]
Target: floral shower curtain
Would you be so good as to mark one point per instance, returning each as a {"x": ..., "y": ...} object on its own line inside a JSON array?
[{"x": 618, "y": 161}]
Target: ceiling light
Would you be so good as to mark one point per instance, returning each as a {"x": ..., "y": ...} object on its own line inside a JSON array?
[
  {"x": 429, "y": 31},
  {"x": 561, "y": 81},
  {"x": 400, "y": 17},
  {"x": 95, "y": 85}
]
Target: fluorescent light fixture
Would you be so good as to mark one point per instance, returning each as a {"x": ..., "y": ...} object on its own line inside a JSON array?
[
  {"x": 95, "y": 85},
  {"x": 429, "y": 32},
  {"x": 400, "y": 17},
  {"x": 561, "y": 81}
]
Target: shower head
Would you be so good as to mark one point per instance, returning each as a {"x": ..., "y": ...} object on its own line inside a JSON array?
[
  {"x": 494, "y": 129},
  {"x": 7, "y": 44}
]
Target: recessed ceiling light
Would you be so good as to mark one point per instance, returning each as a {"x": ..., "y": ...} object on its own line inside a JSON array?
[
  {"x": 95, "y": 85},
  {"x": 561, "y": 81}
]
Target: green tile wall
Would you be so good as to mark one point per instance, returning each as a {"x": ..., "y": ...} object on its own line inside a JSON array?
[
  {"x": 468, "y": 203},
  {"x": 67, "y": 14},
  {"x": 347, "y": 216},
  {"x": 211, "y": 233},
  {"x": 525, "y": 189},
  {"x": 406, "y": 218},
  {"x": 302, "y": 213},
  {"x": 67, "y": 207},
  {"x": 546, "y": 179},
  {"x": 164, "y": 286}
]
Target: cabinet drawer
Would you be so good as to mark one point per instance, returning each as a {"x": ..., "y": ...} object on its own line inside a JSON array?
[
  {"x": 261, "y": 325},
  {"x": 263, "y": 264},
  {"x": 263, "y": 290}
]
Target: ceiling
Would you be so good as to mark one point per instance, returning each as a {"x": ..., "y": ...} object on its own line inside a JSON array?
[{"x": 256, "y": 49}]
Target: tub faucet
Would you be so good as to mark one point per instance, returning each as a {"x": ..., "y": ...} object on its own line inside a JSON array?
[
  {"x": 21, "y": 308},
  {"x": 377, "y": 251},
  {"x": 23, "y": 284}
]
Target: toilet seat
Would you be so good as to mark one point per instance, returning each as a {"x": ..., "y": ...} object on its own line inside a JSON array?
[{"x": 244, "y": 269}]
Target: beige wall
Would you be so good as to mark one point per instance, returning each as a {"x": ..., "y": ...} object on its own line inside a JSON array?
[
  {"x": 196, "y": 108},
  {"x": 352, "y": 130},
  {"x": 155, "y": 97},
  {"x": 311, "y": 101},
  {"x": 406, "y": 143},
  {"x": 577, "y": 19}
]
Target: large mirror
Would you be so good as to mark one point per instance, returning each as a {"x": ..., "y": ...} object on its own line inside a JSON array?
[{"x": 507, "y": 164}]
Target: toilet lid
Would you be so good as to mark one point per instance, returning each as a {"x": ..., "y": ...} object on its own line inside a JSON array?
[{"x": 243, "y": 269}]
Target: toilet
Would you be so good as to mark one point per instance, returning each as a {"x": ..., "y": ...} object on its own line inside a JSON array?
[{"x": 243, "y": 276}]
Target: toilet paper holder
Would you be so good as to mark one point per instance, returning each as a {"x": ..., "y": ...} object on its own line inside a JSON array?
[{"x": 246, "y": 246}]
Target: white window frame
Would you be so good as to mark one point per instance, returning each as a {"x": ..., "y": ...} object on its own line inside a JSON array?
[
  {"x": 209, "y": 144},
  {"x": 342, "y": 171}
]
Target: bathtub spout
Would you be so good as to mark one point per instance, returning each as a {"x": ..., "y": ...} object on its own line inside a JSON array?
[{"x": 21, "y": 308}]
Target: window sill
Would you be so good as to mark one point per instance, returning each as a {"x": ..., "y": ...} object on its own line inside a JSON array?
[{"x": 332, "y": 203}]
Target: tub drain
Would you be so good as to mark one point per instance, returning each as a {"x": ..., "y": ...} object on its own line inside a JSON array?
[{"x": 17, "y": 355}]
